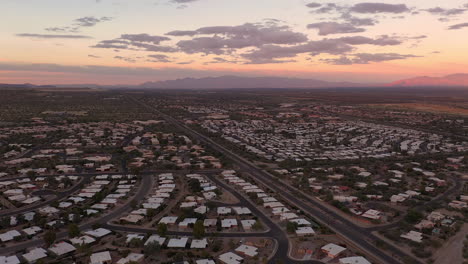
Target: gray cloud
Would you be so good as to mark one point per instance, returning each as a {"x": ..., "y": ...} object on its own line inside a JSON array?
[
  {"x": 181, "y": 4},
  {"x": 63, "y": 29},
  {"x": 374, "y": 8},
  {"x": 159, "y": 58},
  {"x": 458, "y": 26},
  {"x": 208, "y": 45},
  {"x": 346, "y": 22},
  {"x": 221, "y": 60},
  {"x": 327, "y": 28},
  {"x": 78, "y": 23},
  {"x": 224, "y": 39},
  {"x": 144, "y": 38},
  {"x": 183, "y": 1},
  {"x": 185, "y": 62},
  {"x": 271, "y": 53},
  {"x": 52, "y": 36},
  {"x": 338, "y": 46},
  {"x": 180, "y": 33},
  {"x": 357, "y": 21},
  {"x": 313, "y": 5},
  {"x": 446, "y": 12},
  {"x": 127, "y": 59},
  {"x": 90, "y": 21},
  {"x": 328, "y": 8},
  {"x": 366, "y": 58},
  {"x": 144, "y": 42},
  {"x": 383, "y": 40}
]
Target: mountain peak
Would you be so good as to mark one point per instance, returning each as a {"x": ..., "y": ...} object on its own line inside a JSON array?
[
  {"x": 454, "y": 80},
  {"x": 232, "y": 81}
]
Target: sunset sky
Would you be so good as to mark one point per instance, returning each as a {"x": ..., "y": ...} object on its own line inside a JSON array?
[{"x": 134, "y": 41}]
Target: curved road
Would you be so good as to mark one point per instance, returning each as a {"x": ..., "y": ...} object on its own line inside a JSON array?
[
  {"x": 58, "y": 197},
  {"x": 455, "y": 188},
  {"x": 145, "y": 187},
  {"x": 275, "y": 231},
  {"x": 356, "y": 235}
]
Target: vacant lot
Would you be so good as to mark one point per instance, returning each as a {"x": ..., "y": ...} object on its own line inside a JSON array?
[
  {"x": 432, "y": 108},
  {"x": 451, "y": 252}
]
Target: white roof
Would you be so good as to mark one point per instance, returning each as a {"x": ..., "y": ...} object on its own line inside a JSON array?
[
  {"x": 230, "y": 258},
  {"x": 9, "y": 260},
  {"x": 62, "y": 248},
  {"x": 199, "y": 243},
  {"x": 177, "y": 242},
  {"x": 333, "y": 249},
  {"x": 201, "y": 209},
  {"x": 100, "y": 206},
  {"x": 100, "y": 258},
  {"x": 35, "y": 254},
  {"x": 132, "y": 257},
  {"x": 306, "y": 230},
  {"x": 132, "y": 218},
  {"x": 91, "y": 211},
  {"x": 130, "y": 237},
  {"x": 247, "y": 250},
  {"x": 65, "y": 204},
  {"x": 300, "y": 221},
  {"x": 155, "y": 238},
  {"x": 248, "y": 223},
  {"x": 210, "y": 222},
  {"x": 188, "y": 221},
  {"x": 151, "y": 205},
  {"x": 168, "y": 220},
  {"x": 10, "y": 235},
  {"x": 413, "y": 236},
  {"x": 32, "y": 230},
  {"x": 48, "y": 210},
  {"x": 286, "y": 216},
  {"x": 83, "y": 240},
  {"x": 373, "y": 214},
  {"x": 228, "y": 223},
  {"x": 100, "y": 232},
  {"x": 273, "y": 205},
  {"x": 354, "y": 260},
  {"x": 205, "y": 261},
  {"x": 242, "y": 210},
  {"x": 224, "y": 210},
  {"x": 141, "y": 211}
]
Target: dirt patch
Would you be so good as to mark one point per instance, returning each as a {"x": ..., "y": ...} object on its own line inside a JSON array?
[
  {"x": 227, "y": 198},
  {"x": 452, "y": 251},
  {"x": 431, "y": 108}
]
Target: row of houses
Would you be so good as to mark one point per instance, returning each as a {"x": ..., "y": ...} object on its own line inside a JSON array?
[
  {"x": 277, "y": 208},
  {"x": 332, "y": 140}
]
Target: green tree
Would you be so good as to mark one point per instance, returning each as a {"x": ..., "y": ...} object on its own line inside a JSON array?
[
  {"x": 257, "y": 225},
  {"x": 73, "y": 230},
  {"x": 291, "y": 227},
  {"x": 195, "y": 185},
  {"x": 49, "y": 238},
  {"x": 199, "y": 230},
  {"x": 135, "y": 243},
  {"x": 413, "y": 216},
  {"x": 152, "y": 248},
  {"x": 150, "y": 213},
  {"x": 162, "y": 229}
]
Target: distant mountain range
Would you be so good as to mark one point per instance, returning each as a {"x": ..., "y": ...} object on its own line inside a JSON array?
[
  {"x": 25, "y": 85},
  {"x": 232, "y": 82},
  {"x": 227, "y": 82},
  {"x": 449, "y": 80}
]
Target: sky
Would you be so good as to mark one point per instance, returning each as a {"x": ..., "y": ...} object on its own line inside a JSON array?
[{"x": 135, "y": 41}]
